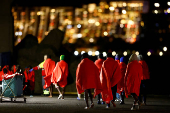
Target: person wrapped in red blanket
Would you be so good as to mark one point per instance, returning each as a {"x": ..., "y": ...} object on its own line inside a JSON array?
[
  {"x": 49, "y": 66},
  {"x": 87, "y": 78},
  {"x": 59, "y": 76},
  {"x": 2, "y": 72},
  {"x": 133, "y": 79},
  {"x": 99, "y": 63},
  {"x": 144, "y": 80},
  {"x": 110, "y": 75},
  {"x": 30, "y": 80}
]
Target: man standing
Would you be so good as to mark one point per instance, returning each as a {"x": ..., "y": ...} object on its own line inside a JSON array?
[
  {"x": 59, "y": 76},
  {"x": 49, "y": 66},
  {"x": 40, "y": 66},
  {"x": 87, "y": 78},
  {"x": 110, "y": 75}
]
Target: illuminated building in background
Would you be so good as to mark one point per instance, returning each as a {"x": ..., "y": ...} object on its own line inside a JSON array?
[{"x": 118, "y": 19}]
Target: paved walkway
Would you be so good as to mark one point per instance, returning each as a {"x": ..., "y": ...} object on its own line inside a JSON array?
[{"x": 41, "y": 104}]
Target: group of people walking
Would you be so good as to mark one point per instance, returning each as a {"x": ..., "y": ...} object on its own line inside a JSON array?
[
  {"x": 111, "y": 76},
  {"x": 52, "y": 74},
  {"x": 105, "y": 77}
]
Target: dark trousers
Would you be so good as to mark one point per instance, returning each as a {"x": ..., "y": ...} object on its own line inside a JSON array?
[
  {"x": 122, "y": 96},
  {"x": 135, "y": 98},
  {"x": 143, "y": 91},
  {"x": 98, "y": 97},
  {"x": 88, "y": 92},
  {"x": 114, "y": 90}
]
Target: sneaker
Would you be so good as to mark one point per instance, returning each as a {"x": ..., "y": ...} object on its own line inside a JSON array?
[
  {"x": 78, "y": 98},
  {"x": 117, "y": 100},
  {"x": 59, "y": 97},
  {"x": 122, "y": 103},
  {"x": 133, "y": 108},
  {"x": 86, "y": 108},
  {"x": 62, "y": 98},
  {"x": 107, "y": 107}
]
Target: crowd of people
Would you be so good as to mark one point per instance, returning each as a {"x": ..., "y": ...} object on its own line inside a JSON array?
[
  {"x": 110, "y": 76},
  {"x": 106, "y": 77}
]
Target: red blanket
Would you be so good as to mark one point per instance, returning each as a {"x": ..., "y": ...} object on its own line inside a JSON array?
[
  {"x": 110, "y": 76},
  {"x": 87, "y": 77},
  {"x": 133, "y": 78},
  {"x": 49, "y": 66},
  {"x": 2, "y": 73},
  {"x": 99, "y": 63},
  {"x": 60, "y": 74},
  {"x": 146, "y": 74},
  {"x": 29, "y": 75}
]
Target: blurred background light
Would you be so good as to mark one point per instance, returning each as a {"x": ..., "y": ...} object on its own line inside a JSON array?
[
  {"x": 111, "y": 8},
  {"x": 149, "y": 53},
  {"x": 165, "y": 48},
  {"x": 104, "y": 54},
  {"x": 82, "y": 52},
  {"x": 76, "y": 53},
  {"x": 125, "y": 53},
  {"x": 137, "y": 53},
  {"x": 96, "y": 52},
  {"x": 78, "y": 26},
  {"x": 113, "y": 53},
  {"x": 124, "y": 11},
  {"x": 105, "y": 33},
  {"x": 160, "y": 53},
  {"x": 91, "y": 40},
  {"x": 90, "y": 53},
  {"x": 156, "y": 4}
]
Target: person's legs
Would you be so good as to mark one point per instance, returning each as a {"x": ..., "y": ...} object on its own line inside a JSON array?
[
  {"x": 63, "y": 91},
  {"x": 50, "y": 90},
  {"x": 91, "y": 98},
  {"x": 122, "y": 97},
  {"x": 98, "y": 98},
  {"x": 45, "y": 91},
  {"x": 86, "y": 98},
  {"x": 135, "y": 101},
  {"x": 114, "y": 90}
]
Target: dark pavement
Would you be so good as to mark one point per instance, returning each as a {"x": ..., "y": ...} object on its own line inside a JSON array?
[{"x": 41, "y": 104}]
